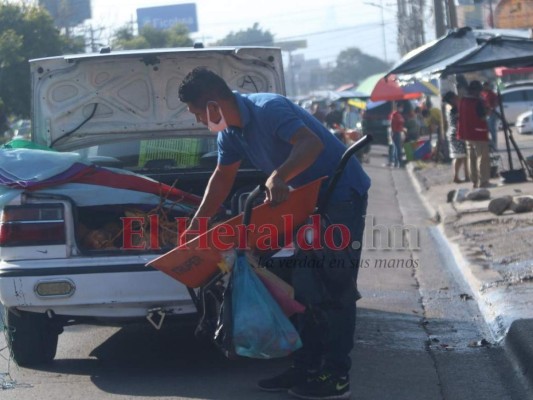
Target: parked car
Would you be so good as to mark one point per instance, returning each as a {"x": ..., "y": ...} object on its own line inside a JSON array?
[
  {"x": 517, "y": 98},
  {"x": 524, "y": 123},
  {"x": 376, "y": 119},
  {"x": 62, "y": 256}
]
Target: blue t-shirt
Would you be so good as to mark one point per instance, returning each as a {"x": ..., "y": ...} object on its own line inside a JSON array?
[{"x": 269, "y": 122}]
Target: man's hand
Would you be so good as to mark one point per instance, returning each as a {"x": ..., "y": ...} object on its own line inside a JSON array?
[
  {"x": 197, "y": 226},
  {"x": 306, "y": 146},
  {"x": 277, "y": 189}
]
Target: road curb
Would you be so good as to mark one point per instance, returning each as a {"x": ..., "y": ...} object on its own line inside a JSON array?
[
  {"x": 515, "y": 336},
  {"x": 519, "y": 345},
  {"x": 411, "y": 172},
  {"x": 475, "y": 277}
]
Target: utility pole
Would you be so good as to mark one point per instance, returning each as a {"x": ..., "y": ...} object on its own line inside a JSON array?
[
  {"x": 410, "y": 18},
  {"x": 383, "y": 31},
  {"x": 93, "y": 42},
  {"x": 452, "y": 13},
  {"x": 383, "y": 34},
  {"x": 440, "y": 27},
  {"x": 491, "y": 14},
  {"x": 94, "y": 37}
]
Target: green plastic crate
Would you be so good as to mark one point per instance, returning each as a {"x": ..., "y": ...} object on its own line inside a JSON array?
[{"x": 186, "y": 152}]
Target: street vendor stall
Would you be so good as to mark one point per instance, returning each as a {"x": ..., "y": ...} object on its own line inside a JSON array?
[{"x": 466, "y": 50}]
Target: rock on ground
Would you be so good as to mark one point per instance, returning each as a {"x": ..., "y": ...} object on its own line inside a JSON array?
[
  {"x": 500, "y": 204},
  {"x": 522, "y": 204},
  {"x": 478, "y": 194}
]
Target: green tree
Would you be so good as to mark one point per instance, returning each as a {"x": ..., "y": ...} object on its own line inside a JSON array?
[
  {"x": 353, "y": 66},
  {"x": 152, "y": 38},
  {"x": 253, "y": 36},
  {"x": 26, "y": 32}
]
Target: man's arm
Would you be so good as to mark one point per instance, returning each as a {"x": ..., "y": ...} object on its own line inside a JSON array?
[
  {"x": 217, "y": 190},
  {"x": 306, "y": 146}
]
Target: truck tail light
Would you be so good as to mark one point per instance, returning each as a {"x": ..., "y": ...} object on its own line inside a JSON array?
[{"x": 32, "y": 225}]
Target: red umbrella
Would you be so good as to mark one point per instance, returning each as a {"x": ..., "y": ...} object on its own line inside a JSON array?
[{"x": 388, "y": 89}]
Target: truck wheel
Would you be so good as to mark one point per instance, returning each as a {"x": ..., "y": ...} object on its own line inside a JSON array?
[{"x": 32, "y": 337}]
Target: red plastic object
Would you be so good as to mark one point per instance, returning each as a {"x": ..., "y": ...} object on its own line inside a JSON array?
[{"x": 193, "y": 264}]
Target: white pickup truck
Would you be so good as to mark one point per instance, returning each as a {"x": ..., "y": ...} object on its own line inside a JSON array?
[{"x": 62, "y": 255}]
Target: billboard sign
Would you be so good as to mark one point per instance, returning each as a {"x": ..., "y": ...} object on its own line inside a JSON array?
[
  {"x": 165, "y": 17},
  {"x": 514, "y": 14}
]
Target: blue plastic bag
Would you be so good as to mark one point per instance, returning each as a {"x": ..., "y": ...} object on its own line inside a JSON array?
[{"x": 260, "y": 328}]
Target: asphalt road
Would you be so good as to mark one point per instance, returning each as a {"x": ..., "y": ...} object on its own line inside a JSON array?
[{"x": 417, "y": 337}]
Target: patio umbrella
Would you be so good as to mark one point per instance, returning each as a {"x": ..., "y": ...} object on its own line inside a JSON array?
[
  {"x": 388, "y": 89},
  {"x": 421, "y": 86},
  {"x": 334, "y": 95},
  {"x": 368, "y": 84},
  {"x": 358, "y": 103},
  {"x": 373, "y": 104}
]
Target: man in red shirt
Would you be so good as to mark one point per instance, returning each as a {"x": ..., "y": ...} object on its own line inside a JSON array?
[
  {"x": 397, "y": 125},
  {"x": 491, "y": 102},
  {"x": 472, "y": 128}
]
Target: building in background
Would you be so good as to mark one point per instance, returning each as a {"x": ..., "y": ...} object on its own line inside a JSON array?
[
  {"x": 513, "y": 14},
  {"x": 502, "y": 14}
]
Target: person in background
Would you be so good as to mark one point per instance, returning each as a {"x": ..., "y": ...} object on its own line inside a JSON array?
[
  {"x": 317, "y": 112},
  {"x": 432, "y": 119},
  {"x": 472, "y": 128},
  {"x": 390, "y": 148},
  {"x": 491, "y": 102},
  {"x": 350, "y": 116},
  {"x": 333, "y": 117},
  {"x": 457, "y": 146},
  {"x": 397, "y": 126},
  {"x": 412, "y": 129},
  {"x": 421, "y": 125}
]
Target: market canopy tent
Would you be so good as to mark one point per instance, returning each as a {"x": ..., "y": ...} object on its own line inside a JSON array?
[
  {"x": 496, "y": 52},
  {"x": 490, "y": 50},
  {"x": 457, "y": 45},
  {"x": 435, "y": 52}
]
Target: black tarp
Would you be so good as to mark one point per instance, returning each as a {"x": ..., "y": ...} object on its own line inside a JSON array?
[
  {"x": 496, "y": 52},
  {"x": 432, "y": 55},
  {"x": 466, "y": 50}
]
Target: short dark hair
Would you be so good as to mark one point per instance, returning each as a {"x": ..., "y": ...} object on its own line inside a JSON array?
[
  {"x": 202, "y": 85},
  {"x": 475, "y": 86},
  {"x": 449, "y": 96}
]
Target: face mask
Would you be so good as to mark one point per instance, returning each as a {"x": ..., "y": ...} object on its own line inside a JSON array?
[{"x": 216, "y": 126}]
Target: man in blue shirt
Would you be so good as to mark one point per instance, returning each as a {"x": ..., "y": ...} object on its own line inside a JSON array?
[{"x": 292, "y": 148}]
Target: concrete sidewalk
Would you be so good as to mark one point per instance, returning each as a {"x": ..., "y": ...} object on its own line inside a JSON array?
[{"x": 494, "y": 254}]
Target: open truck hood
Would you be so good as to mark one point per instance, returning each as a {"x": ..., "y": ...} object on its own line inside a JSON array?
[{"x": 87, "y": 99}]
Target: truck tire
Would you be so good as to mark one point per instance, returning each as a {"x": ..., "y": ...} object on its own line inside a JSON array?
[{"x": 32, "y": 337}]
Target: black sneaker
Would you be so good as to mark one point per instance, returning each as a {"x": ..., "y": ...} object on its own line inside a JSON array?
[
  {"x": 323, "y": 387},
  {"x": 284, "y": 381}
]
